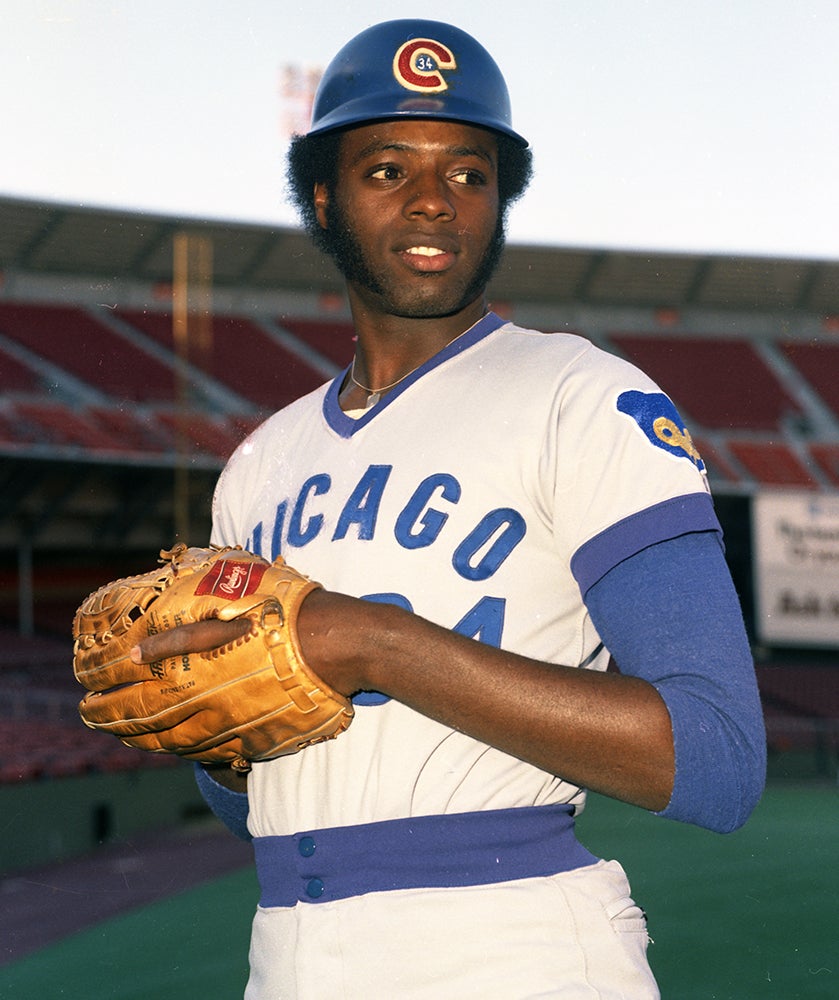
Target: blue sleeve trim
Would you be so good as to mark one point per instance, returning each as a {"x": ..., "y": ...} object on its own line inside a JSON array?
[
  {"x": 671, "y": 616},
  {"x": 669, "y": 519},
  {"x": 228, "y": 806}
]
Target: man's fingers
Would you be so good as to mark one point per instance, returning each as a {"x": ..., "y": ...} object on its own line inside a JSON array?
[{"x": 198, "y": 637}]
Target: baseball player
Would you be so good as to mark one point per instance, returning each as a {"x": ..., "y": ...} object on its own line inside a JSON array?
[{"x": 493, "y": 512}]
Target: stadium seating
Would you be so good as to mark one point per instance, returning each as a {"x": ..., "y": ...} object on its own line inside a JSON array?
[
  {"x": 747, "y": 419},
  {"x": 334, "y": 340},
  {"x": 201, "y": 433},
  {"x": 743, "y": 416},
  {"x": 718, "y": 465},
  {"x": 137, "y": 430},
  {"x": 772, "y": 463},
  {"x": 717, "y": 383},
  {"x": 241, "y": 355},
  {"x": 62, "y": 426},
  {"x": 13, "y": 432},
  {"x": 41, "y": 735},
  {"x": 33, "y": 748},
  {"x": 15, "y": 376},
  {"x": 819, "y": 364},
  {"x": 826, "y": 457},
  {"x": 120, "y": 397},
  {"x": 70, "y": 338}
]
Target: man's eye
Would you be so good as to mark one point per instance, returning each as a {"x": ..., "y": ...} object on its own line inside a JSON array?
[
  {"x": 468, "y": 177},
  {"x": 387, "y": 172}
]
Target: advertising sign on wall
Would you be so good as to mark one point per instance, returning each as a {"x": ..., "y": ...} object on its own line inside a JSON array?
[{"x": 796, "y": 565}]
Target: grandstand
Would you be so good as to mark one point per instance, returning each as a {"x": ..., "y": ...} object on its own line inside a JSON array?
[{"x": 95, "y": 428}]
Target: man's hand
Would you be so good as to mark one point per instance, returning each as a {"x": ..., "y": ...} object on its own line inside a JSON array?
[{"x": 198, "y": 637}]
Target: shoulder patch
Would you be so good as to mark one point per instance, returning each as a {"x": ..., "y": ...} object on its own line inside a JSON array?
[{"x": 659, "y": 420}]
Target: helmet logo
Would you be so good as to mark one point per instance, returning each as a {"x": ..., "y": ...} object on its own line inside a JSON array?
[{"x": 417, "y": 65}]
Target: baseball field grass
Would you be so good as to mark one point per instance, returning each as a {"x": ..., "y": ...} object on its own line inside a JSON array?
[{"x": 747, "y": 916}]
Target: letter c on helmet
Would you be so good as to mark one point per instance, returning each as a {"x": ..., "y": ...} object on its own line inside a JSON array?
[{"x": 417, "y": 63}]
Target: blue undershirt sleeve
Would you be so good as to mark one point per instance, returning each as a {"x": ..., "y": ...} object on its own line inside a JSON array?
[
  {"x": 229, "y": 806},
  {"x": 670, "y": 615}
]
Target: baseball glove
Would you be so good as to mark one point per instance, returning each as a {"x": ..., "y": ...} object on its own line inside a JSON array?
[{"x": 250, "y": 700}]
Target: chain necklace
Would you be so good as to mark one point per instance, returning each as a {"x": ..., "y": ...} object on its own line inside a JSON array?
[{"x": 374, "y": 395}]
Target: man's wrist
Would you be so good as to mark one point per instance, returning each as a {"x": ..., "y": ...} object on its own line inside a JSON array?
[{"x": 224, "y": 775}]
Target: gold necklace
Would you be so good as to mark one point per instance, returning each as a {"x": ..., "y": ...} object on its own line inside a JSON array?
[{"x": 374, "y": 395}]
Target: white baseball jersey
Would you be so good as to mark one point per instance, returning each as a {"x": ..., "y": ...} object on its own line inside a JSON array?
[{"x": 483, "y": 492}]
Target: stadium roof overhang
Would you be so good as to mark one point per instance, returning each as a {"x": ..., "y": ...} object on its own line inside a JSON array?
[{"x": 111, "y": 244}]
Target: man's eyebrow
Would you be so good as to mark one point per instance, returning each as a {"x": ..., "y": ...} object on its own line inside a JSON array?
[
  {"x": 478, "y": 151},
  {"x": 377, "y": 146}
]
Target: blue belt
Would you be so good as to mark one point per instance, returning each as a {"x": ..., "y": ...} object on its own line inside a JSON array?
[{"x": 461, "y": 849}]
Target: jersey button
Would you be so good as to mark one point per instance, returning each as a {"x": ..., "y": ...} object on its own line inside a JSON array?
[
  {"x": 315, "y": 888},
  {"x": 306, "y": 846}
]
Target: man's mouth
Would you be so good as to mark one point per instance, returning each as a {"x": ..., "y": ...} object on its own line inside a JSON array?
[
  {"x": 427, "y": 259},
  {"x": 426, "y": 251}
]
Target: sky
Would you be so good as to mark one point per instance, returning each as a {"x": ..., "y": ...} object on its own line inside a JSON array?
[{"x": 668, "y": 125}]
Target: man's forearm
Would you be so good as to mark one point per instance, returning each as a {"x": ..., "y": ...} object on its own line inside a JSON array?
[{"x": 602, "y": 731}]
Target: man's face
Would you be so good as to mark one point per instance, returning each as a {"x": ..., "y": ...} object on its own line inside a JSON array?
[{"x": 414, "y": 220}]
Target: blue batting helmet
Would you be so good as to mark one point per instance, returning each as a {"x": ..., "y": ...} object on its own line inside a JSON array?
[{"x": 413, "y": 69}]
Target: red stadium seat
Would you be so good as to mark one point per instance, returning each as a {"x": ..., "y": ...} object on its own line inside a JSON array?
[
  {"x": 62, "y": 426},
  {"x": 718, "y": 465},
  {"x": 819, "y": 364},
  {"x": 826, "y": 456},
  {"x": 241, "y": 356},
  {"x": 202, "y": 433},
  {"x": 334, "y": 339},
  {"x": 772, "y": 463},
  {"x": 718, "y": 383},
  {"x": 71, "y": 338},
  {"x": 15, "y": 376},
  {"x": 137, "y": 431}
]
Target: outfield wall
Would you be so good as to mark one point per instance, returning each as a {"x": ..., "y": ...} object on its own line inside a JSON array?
[{"x": 58, "y": 818}]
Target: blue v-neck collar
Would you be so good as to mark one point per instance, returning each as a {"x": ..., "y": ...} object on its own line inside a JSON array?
[{"x": 347, "y": 426}]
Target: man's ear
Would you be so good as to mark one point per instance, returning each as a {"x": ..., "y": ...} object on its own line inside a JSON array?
[{"x": 321, "y": 199}]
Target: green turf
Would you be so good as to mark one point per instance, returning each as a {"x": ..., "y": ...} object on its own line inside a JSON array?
[
  {"x": 739, "y": 917},
  {"x": 193, "y": 946},
  {"x": 748, "y": 916}
]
